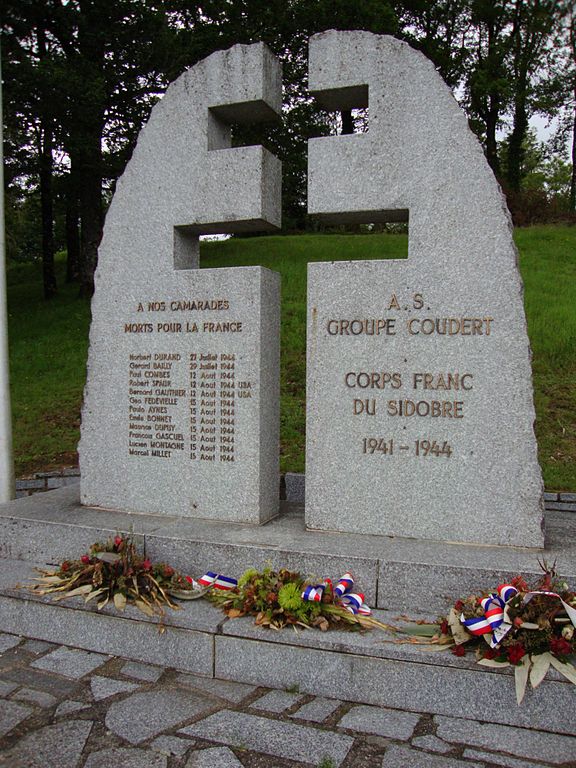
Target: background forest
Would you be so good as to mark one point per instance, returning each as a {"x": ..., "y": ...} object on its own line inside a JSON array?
[{"x": 80, "y": 78}]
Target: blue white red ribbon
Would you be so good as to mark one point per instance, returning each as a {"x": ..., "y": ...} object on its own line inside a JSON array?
[
  {"x": 217, "y": 581},
  {"x": 493, "y": 620},
  {"x": 343, "y": 595}
]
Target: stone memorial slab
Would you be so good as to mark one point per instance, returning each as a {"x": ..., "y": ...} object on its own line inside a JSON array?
[
  {"x": 419, "y": 396},
  {"x": 181, "y": 404}
]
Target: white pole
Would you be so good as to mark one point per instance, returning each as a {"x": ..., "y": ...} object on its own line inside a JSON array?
[{"x": 6, "y": 458}]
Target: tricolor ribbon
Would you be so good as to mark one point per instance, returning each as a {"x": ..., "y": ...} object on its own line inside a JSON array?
[
  {"x": 493, "y": 620},
  {"x": 217, "y": 581},
  {"x": 343, "y": 595}
]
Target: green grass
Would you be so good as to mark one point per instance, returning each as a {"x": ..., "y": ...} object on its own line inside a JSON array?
[{"x": 48, "y": 342}]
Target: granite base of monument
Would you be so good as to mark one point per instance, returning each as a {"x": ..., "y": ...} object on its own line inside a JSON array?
[{"x": 400, "y": 576}]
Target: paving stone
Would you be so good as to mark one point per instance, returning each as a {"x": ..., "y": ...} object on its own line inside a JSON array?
[
  {"x": 550, "y": 496},
  {"x": 8, "y": 641},
  {"x": 104, "y": 687},
  {"x": 431, "y": 743},
  {"x": 317, "y": 710},
  {"x": 224, "y": 689},
  {"x": 70, "y": 662},
  {"x": 37, "y": 646},
  {"x": 536, "y": 745},
  {"x": 404, "y": 757},
  {"x": 272, "y": 737},
  {"x": 121, "y": 757},
  {"x": 172, "y": 745},
  {"x": 276, "y": 701},
  {"x": 570, "y": 497},
  {"x": 7, "y": 688},
  {"x": 561, "y": 506},
  {"x": 506, "y": 760},
  {"x": 217, "y": 757},
  {"x": 55, "y": 746},
  {"x": 42, "y": 681},
  {"x": 70, "y": 706},
  {"x": 391, "y": 723},
  {"x": 41, "y": 698},
  {"x": 145, "y": 672},
  {"x": 11, "y": 714},
  {"x": 146, "y": 714}
]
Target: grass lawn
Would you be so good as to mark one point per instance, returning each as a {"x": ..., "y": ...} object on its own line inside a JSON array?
[{"x": 48, "y": 343}]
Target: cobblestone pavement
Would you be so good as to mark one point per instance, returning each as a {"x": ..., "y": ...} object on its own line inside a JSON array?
[{"x": 65, "y": 708}]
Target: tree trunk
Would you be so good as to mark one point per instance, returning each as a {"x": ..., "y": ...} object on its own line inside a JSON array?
[
  {"x": 87, "y": 141},
  {"x": 90, "y": 210},
  {"x": 46, "y": 196},
  {"x": 516, "y": 144},
  {"x": 47, "y": 215},
  {"x": 72, "y": 227},
  {"x": 573, "y": 177},
  {"x": 347, "y": 121},
  {"x": 491, "y": 141}
]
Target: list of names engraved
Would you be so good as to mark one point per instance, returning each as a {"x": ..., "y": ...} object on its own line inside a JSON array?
[{"x": 156, "y": 424}]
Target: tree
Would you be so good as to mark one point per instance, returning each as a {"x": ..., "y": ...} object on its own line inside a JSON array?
[{"x": 535, "y": 25}]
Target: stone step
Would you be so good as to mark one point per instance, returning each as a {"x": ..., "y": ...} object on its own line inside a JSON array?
[
  {"x": 393, "y": 573},
  {"x": 370, "y": 668}
]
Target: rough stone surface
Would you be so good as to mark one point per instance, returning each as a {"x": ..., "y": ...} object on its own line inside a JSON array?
[
  {"x": 276, "y": 701},
  {"x": 431, "y": 743},
  {"x": 7, "y": 688},
  {"x": 419, "y": 159},
  {"x": 11, "y": 714},
  {"x": 552, "y": 748},
  {"x": 53, "y": 746},
  {"x": 391, "y": 723},
  {"x": 70, "y": 662},
  {"x": 221, "y": 326},
  {"x": 407, "y": 683},
  {"x": 317, "y": 710},
  {"x": 217, "y": 757},
  {"x": 42, "y": 681},
  {"x": 171, "y": 745},
  {"x": 67, "y": 707},
  {"x": 143, "y": 715},
  {"x": 190, "y": 651},
  {"x": 103, "y": 687},
  {"x": 410, "y": 758},
  {"x": 295, "y": 487},
  {"x": 490, "y": 757},
  {"x": 37, "y": 646},
  {"x": 281, "y": 739},
  {"x": 40, "y": 698},
  {"x": 223, "y": 689},
  {"x": 8, "y": 641},
  {"x": 120, "y": 757},
  {"x": 145, "y": 672}
]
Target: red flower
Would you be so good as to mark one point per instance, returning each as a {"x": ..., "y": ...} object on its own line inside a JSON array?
[
  {"x": 85, "y": 559},
  {"x": 459, "y": 650},
  {"x": 65, "y": 566},
  {"x": 189, "y": 579},
  {"x": 520, "y": 584},
  {"x": 491, "y": 653},
  {"x": 117, "y": 541},
  {"x": 560, "y": 646},
  {"x": 444, "y": 627},
  {"x": 146, "y": 565},
  {"x": 168, "y": 571},
  {"x": 515, "y": 653},
  {"x": 458, "y": 605}
]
